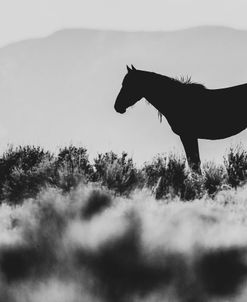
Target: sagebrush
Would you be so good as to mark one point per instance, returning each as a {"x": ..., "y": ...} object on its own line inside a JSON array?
[{"x": 25, "y": 170}]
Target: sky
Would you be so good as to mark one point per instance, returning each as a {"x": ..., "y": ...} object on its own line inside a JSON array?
[
  {"x": 31, "y": 18},
  {"x": 28, "y": 19}
]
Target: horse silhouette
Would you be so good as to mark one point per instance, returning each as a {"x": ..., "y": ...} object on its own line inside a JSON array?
[{"x": 193, "y": 111}]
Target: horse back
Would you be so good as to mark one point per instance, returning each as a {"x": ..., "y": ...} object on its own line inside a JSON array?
[{"x": 211, "y": 113}]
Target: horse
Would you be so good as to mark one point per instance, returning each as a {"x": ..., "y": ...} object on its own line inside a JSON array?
[{"x": 192, "y": 110}]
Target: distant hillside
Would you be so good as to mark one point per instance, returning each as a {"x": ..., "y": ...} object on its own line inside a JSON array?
[{"x": 62, "y": 88}]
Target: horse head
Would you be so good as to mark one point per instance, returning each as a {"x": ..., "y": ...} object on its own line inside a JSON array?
[{"x": 130, "y": 91}]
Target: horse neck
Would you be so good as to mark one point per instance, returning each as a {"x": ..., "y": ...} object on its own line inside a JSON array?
[{"x": 158, "y": 91}]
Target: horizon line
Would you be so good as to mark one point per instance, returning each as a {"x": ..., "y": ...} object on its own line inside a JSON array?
[{"x": 127, "y": 31}]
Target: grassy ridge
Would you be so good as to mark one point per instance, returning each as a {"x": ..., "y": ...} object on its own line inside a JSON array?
[{"x": 25, "y": 170}]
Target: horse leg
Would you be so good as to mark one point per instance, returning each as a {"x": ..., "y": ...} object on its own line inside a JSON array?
[{"x": 192, "y": 152}]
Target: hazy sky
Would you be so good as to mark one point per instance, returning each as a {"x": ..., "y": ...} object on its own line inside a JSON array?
[
  {"x": 27, "y": 19},
  {"x": 21, "y": 19}
]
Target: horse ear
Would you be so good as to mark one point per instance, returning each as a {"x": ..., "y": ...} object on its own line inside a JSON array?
[
  {"x": 133, "y": 68},
  {"x": 129, "y": 69}
]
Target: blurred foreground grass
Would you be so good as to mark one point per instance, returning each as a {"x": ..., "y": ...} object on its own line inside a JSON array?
[{"x": 75, "y": 230}]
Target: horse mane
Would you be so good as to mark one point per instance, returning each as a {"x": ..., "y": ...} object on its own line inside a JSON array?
[
  {"x": 180, "y": 81},
  {"x": 186, "y": 80}
]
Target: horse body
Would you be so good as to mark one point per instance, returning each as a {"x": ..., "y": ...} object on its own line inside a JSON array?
[
  {"x": 224, "y": 114},
  {"x": 193, "y": 111}
]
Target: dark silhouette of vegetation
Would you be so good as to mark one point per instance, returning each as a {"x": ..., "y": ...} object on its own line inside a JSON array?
[
  {"x": 96, "y": 203},
  {"x": 116, "y": 173},
  {"x": 215, "y": 177},
  {"x": 25, "y": 171},
  {"x": 166, "y": 175},
  {"x": 236, "y": 166},
  {"x": 71, "y": 167}
]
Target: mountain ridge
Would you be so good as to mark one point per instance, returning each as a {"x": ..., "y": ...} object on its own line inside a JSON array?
[
  {"x": 66, "y": 76},
  {"x": 117, "y": 31}
]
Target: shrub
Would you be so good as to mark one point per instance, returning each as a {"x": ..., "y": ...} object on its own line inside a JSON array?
[
  {"x": 97, "y": 202},
  {"x": 72, "y": 166},
  {"x": 23, "y": 172},
  {"x": 116, "y": 173},
  {"x": 154, "y": 170},
  {"x": 215, "y": 178},
  {"x": 166, "y": 175},
  {"x": 193, "y": 186},
  {"x": 236, "y": 166}
]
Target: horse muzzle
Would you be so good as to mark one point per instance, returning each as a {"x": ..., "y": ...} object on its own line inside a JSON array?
[{"x": 120, "y": 110}]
